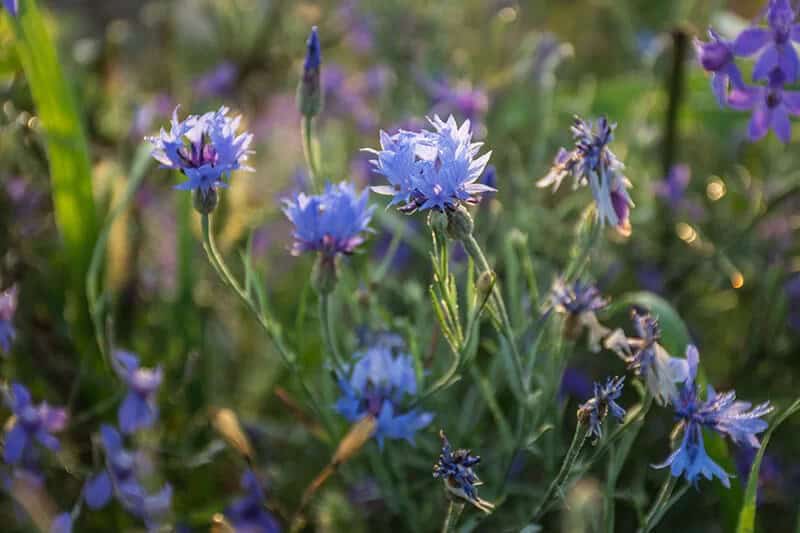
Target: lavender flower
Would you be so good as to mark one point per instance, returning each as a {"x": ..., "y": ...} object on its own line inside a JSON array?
[
  {"x": 717, "y": 57},
  {"x": 120, "y": 479},
  {"x": 377, "y": 384},
  {"x": 204, "y": 148},
  {"x": 138, "y": 409},
  {"x": 32, "y": 423},
  {"x": 647, "y": 358},
  {"x": 579, "y": 301},
  {"x": 771, "y": 106},
  {"x": 591, "y": 162},
  {"x": 218, "y": 81},
  {"x": 460, "y": 480},
  {"x": 61, "y": 524},
  {"x": 309, "y": 96},
  {"x": 8, "y": 307},
  {"x": 248, "y": 514},
  {"x": 595, "y": 410},
  {"x": 330, "y": 223},
  {"x": 12, "y": 6},
  {"x": 719, "y": 412},
  {"x": 431, "y": 169},
  {"x": 773, "y": 43}
]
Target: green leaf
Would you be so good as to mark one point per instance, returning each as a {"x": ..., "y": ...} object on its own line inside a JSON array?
[{"x": 747, "y": 515}]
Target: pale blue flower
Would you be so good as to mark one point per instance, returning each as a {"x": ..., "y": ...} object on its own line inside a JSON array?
[
  {"x": 595, "y": 410},
  {"x": 138, "y": 409},
  {"x": 32, "y": 423}
]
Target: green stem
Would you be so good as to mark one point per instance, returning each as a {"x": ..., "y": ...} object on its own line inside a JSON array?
[
  {"x": 308, "y": 151},
  {"x": 474, "y": 250},
  {"x": 326, "y": 327},
  {"x": 662, "y": 504},
  {"x": 451, "y": 518},
  {"x": 557, "y": 485}
]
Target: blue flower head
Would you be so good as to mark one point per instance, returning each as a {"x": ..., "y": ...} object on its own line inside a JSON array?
[
  {"x": 32, "y": 423},
  {"x": 247, "y": 514},
  {"x": 378, "y": 383},
  {"x": 331, "y": 223},
  {"x": 8, "y": 307},
  {"x": 431, "y": 169},
  {"x": 138, "y": 409},
  {"x": 595, "y": 410},
  {"x": 718, "y": 412},
  {"x": 12, "y": 6},
  {"x": 454, "y": 467},
  {"x": 204, "y": 148},
  {"x": 580, "y": 301},
  {"x": 120, "y": 479},
  {"x": 591, "y": 162}
]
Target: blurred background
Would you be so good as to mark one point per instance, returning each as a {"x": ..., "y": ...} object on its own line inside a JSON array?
[{"x": 714, "y": 230}]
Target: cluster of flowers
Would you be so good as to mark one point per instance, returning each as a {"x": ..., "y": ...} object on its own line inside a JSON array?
[{"x": 777, "y": 66}]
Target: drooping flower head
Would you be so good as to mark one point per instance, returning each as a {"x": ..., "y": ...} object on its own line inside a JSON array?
[
  {"x": 8, "y": 307},
  {"x": 120, "y": 479},
  {"x": 431, "y": 169},
  {"x": 454, "y": 467},
  {"x": 377, "y": 384},
  {"x": 138, "y": 409},
  {"x": 204, "y": 148},
  {"x": 12, "y": 6},
  {"x": 579, "y": 301},
  {"x": 331, "y": 223},
  {"x": 718, "y": 412},
  {"x": 591, "y": 162},
  {"x": 717, "y": 57},
  {"x": 32, "y": 423},
  {"x": 247, "y": 514},
  {"x": 595, "y": 410},
  {"x": 647, "y": 359}
]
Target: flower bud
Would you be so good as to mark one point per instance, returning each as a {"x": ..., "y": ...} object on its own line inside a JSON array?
[
  {"x": 485, "y": 284},
  {"x": 459, "y": 224},
  {"x": 309, "y": 91},
  {"x": 205, "y": 200}
]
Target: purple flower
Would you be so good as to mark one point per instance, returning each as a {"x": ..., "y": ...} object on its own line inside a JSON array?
[
  {"x": 461, "y": 98},
  {"x": 138, "y": 409},
  {"x": 248, "y": 514},
  {"x": 454, "y": 467},
  {"x": 8, "y": 307},
  {"x": 591, "y": 162},
  {"x": 673, "y": 187},
  {"x": 32, "y": 423},
  {"x": 431, "y": 169},
  {"x": 61, "y": 524},
  {"x": 12, "y": 6},
  {"x": 717, "y": 57},
  {"x": 377, "y": 384},
  {"x": 773, "y": 43},
  {"x": 330, "y": 223},
  {"x": 718, "y": 412},
  {"x": 204, "y": 148},
  {"x": 120, "y": 479},
  {"x": 580, "y": 301},
  {"x": 218, "y": 81},
  {"x": 771, "y": 107},
  {"x": 595, "y": 410}
]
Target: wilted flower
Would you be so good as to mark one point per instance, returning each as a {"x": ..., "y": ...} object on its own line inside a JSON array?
[
  {"x": 204, "y": 148},
  {"x": 12, "y": 6},
  {"x": 32, "y": 423},
  {"x": 596, "y": 409},
  {"x": 309, "y": 95},
  {"x": 579, "y": 301},
  {"x": 247, "y": 514},
  {"x": 771, "y": 106},
  {"x": 330, "y": 223},
  {"x": 647, "y": 358},
  {"x": 120, "y": 479},
  {"x": 377, "y": 384},
  {"x": 138, "y": 409},
  {"x": 8, "y": 307},
  {"x": 591, "y": 162},
  {"x": 718, "y": 412},
  {"x": 431, "y": 169},
  {"x": 460, "y": 480},
  {"x": 717, "y": 56}
]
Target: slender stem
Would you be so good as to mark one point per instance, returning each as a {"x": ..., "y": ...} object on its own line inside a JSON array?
[
  {"x": 308, "y": 151},
  {"x": 451, "y": 518},
  {"x": 662, "y": 503},
  {"x": 326, "y": 327},
  {"x": 474, "y": 250},
  {"x": 680, "y": 41},
  {"x": 556, "y": 486}
]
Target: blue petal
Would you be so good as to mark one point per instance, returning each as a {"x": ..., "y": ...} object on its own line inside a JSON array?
[
  {"x": 98, "y": 491},
  {"x": 16, "y": 441}
]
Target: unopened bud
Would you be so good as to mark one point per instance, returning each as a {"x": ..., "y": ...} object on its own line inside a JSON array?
[
  {"x": 227, "y": 425},
  {"x": 485, "y": 283},
  {"x": 309, "y": 91},
  {"x": 459, "y": 224}
]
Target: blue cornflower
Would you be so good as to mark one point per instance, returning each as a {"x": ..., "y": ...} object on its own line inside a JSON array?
[
  {"x": 31, "y": 423},
  {"x": 431, "y": 169},
  {"x": 647, "y": 358},
  {"x": 138, "y": 409},
  {"x": 460, "y": 480},
  {"x": 717, "y": 57},
  {"x": 120, "y": 479},
  {"x": 205, "y": 148},
  {"x": 591, "y": 162},
  {"x": 719, "y": 412},
  {"x": 579, "y": 301},
  {"x": 775, "y": 43},
  {"x": 12, "y": 6},
  {"x": 8, "y": 307},
  {"x": 595, "y": 410},
  {"x": 771, "y": 106},
  {"x": 248, "y": 514},
  {"x": 377, "y": 384},
  {"x": 330, "y": 223}
]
